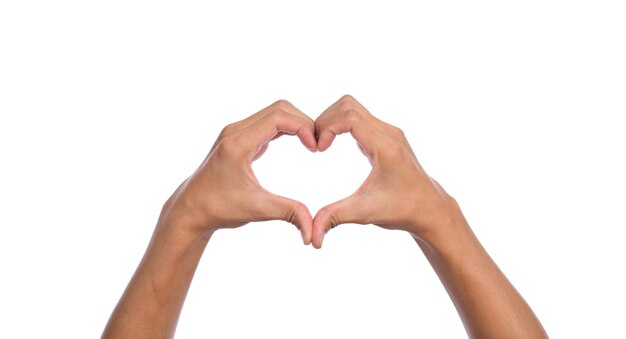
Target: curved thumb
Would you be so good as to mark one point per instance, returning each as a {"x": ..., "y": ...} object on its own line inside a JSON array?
[
  {"x": 344, "y": 211},
  {"x": 292, "y": 211}
]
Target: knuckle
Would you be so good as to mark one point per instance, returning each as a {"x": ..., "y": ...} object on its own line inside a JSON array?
[
  {"x": 291, "y": 217},
  {"x": 229, "y": 146},
  {"x": 227, "y": 130},
  {"x": 352, "y": 115},
  {"x": 394, "y": 151},
  {"x": 347, "y": 98},
  {"x": 296, "y": 210},
  {"x": 281, "y": 104},
  {"x": 399, "y": 132},
  {"x": 452, "y": 202},
  {"x": 332, "y": 219},
  {"x": 348, "y": 102},
  {"x": 278, "y": 114},
  {"x": 322, "y": 211}
]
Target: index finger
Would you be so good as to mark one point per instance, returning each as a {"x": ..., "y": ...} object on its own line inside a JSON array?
[
  {"x": 282, "y": 105},
  {"x": 347, "y": 115},
  {"x": 276, "y": 123}
]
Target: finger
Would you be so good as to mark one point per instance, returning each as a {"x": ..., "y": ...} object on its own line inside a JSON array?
[
  {"x": 245, "y": 123},
  {"x": 394, "y": 132},
  {"x": 261, "y": 151},
  {"x": 362, "y": 130},
  {"x": 290, "y": 108},
  {"x": 284, "y": 106},
  {"x": 348, "y": 123},
  {"x": 345, "y": 103},
  {"x": 264, "y": 147},
  {"x": 280, "y": 105},
  {"x": 348, "y": 210},
  {"x": 292, "y": 211},
  {"x": 273, "y": 125},
  {"x": 320, "y": 122},
  {"x": 346, "y": 115}
]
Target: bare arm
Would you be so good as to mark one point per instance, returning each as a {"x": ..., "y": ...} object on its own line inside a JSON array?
[
  {"x": 222, "y": 193},
  {"x": 488, "y": 304},
  {"x": 398, "y": 194}
]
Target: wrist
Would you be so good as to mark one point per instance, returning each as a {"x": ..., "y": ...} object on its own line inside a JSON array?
[
  {"x": 179, "y": 236},
  {"x": 179, "y": 228},
  {"x": 178, "y": 216},
  {"x": 448, "y": 229},
  {"x": 453, "y": 243}
]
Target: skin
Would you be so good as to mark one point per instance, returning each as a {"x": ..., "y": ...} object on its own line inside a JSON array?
[
  {"x": 222, "y": 193},
  {"x": 398, "y": 194}
]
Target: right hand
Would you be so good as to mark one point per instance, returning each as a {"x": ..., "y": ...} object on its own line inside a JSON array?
[
  {"x": 224, "y": 192},
  {"x": 397, "y": 194}
]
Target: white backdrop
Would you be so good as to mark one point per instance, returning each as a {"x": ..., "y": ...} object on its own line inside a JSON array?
[{"x": 516, "y": 108}]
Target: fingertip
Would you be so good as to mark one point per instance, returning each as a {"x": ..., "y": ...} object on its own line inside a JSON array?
[
  {"x": 312, "y": 143},
  {"x": 306, "y": 237},
  {"x": 325, "y": 140},
  {"x": 309, "y": 142},
  {"x": 305, "y": 222},
  {"x": 292, "y": 211},
  {"x": 317, "y": 242},
  {"x": 306, "y": 232},
  {"x": 318, "y": 231}
]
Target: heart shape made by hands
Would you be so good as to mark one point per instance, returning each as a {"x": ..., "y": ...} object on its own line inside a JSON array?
[
  {"x": 388, "y": 197},
  {"x": 380, "y": 142},
  {"x": 315, "y": 179}
]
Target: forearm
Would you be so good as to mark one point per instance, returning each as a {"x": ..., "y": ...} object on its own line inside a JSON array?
[
  {"x": 488, "y": 304},
  {"x": 152, "y": 302},
  {"x": 222, "y": 193}
]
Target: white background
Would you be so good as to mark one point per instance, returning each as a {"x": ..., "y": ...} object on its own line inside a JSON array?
[{"x": 515, "y": 107}]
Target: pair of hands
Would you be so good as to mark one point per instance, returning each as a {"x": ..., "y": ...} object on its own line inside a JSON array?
[{"x": 224, "y": 192}]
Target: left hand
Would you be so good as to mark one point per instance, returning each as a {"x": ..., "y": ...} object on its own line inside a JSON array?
[{"x": 397, "y": 194}]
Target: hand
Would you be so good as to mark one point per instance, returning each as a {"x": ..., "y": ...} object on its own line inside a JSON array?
[
  {"x": 397, "y": 194},
  {"x": 224, "y": 192}
]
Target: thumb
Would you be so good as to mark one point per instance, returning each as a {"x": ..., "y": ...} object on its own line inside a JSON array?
[
  {"x": 292, "y": 211},
  {"x": 344, "y": 211}
]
